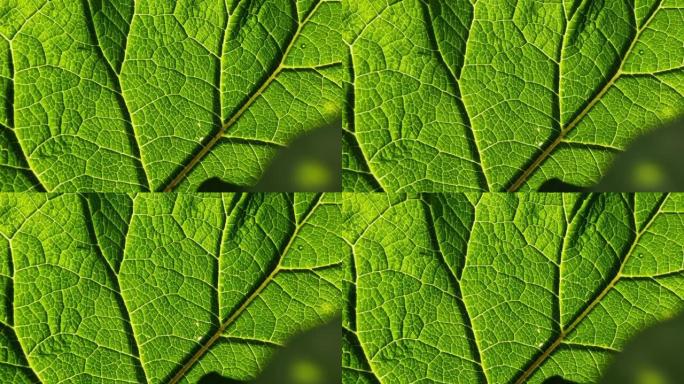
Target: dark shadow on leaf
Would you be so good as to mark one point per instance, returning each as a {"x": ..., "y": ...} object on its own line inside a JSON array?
[
  {"x": 215, "y": 378},
  {"x": 312, "y": 357},
  {"x": 215, "y": 184},
  {"x": 558, "y": 185},
  {"x": 558, "y": 380}
]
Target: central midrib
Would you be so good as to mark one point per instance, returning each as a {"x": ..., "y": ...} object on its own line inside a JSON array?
[
  {"x": 238, "y": 312},
  {"x": 539, "y": 160},
  {"x": 582, "y": 315},
  {"x": 245, "y": 106}
]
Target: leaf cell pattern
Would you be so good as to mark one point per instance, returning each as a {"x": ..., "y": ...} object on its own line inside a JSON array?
[
  {"x": 493, "y": 95},
  {"x": 505, "y": 288},
  {"x": 126, "y": 96},
  {"x": 161, "y": 287}
]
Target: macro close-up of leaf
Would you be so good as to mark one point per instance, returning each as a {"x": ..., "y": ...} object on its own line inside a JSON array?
[
  {"x": 309, "y": 191},
  {"x": 494, "y": 95},
  {"x": 147, "y": 95},
  {"x": 154, "y": 288},
  {"x": 505, "y": 288}
]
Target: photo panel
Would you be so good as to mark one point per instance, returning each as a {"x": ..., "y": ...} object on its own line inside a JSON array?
[
  {"x": 169, "y": 288},
  {"x": 510, "y": 288},
  {"x": 182, "y": 95},
  {"x": 502, "y": 95}
]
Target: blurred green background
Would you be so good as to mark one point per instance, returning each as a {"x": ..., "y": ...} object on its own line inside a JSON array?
[
  {"x": 312, "y": 357},
  {"x": 653, "y": 356},
  {"x": 653, "y": 163},
  {"x": 311, "y": 163}
]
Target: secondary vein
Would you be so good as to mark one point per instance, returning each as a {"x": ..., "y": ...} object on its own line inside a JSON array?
[
  {"x": 23, "y": 158},
  {"x": 362, "y": 356},
  {"x": 204, "y": 151},
  {"x": 470, "y": 131},
  {"x": 246, "y": 303},
  {"x": 20, "y": 348},
  {"x": 456, "y": 282},
  {"x": 114, "y": 277},
  {"x": 119, "y": 94}
]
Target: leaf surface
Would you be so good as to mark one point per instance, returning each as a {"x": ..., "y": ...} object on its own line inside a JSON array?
[
  {"x": 503, "y": 288},
  {"x": 161, "y": 288},
  {"x": 451, "y": 96},
  {"x": 130, "y": 95}
]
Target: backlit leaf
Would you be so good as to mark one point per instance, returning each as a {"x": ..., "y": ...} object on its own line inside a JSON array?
[
  {"x": 449, "y": 96},
  {"x": 161, "y": 288},
  {"x": 505, "y": 288},
  {"x": 131, "y": 95}
]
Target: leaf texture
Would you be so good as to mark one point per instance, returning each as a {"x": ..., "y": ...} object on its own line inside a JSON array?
[
  {"x": 455, "y": 96},
  {"x": 125, "y": 96},
  {"x": 160, "y": 288},
  {"x": 501, "y": 288}
]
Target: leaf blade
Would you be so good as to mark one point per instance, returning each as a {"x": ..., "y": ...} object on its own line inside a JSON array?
[
  {"x": 549, "y": 282},
  {"x": 127, "y": 97},
  {"x": 549, "y": 91},
  {"x": 168, "y": 287}
]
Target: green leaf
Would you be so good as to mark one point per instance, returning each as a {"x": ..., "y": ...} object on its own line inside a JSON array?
[
  {"x": 499, "y": 288},
  {"x": 162, "y": 287},
  {"x": 497, "y": 94},
  {"x": 146, "y": 95}
]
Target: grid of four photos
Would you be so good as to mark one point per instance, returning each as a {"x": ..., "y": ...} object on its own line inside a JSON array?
[{"x": 338, "y": 191}]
